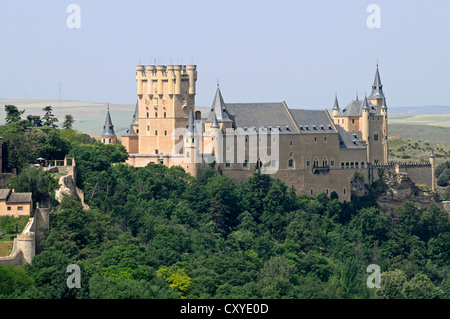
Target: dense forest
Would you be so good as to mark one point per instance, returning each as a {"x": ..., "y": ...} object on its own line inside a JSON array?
[{"x": 157, "y": 232}]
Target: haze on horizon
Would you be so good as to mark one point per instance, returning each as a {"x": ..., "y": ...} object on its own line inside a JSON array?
[{"x": 260, "y": 51}]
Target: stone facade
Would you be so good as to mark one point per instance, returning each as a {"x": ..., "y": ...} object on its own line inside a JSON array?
[{"x": 312, "y": 150}]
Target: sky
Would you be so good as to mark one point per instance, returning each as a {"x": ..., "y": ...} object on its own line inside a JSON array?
[{"x": 303, "y": 52}]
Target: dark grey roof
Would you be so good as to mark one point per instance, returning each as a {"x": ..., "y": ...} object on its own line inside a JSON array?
[
  {"x": 377, "y": 87},
  {"x": 108, "y": 128},
  {"x": 259, "y": 115},
  {"x": 190, "y": 125},
  {"x": 432, "y": 153},
  {"x": 130, "y": 131},
  {"x": 214, "y": 122},
  {"x": 349, "y": 139},
  {"x": 384, "y": 105},
  {"x": 355, "y": 109},
  {"x": 135, "y": 116},
  {"x": 336, "y": 104},
  {"x": 19, "y": 198},
  {"x": 312, "y": 121},
  {"x": 218, "y": 108},
  {"x": 365, "y": 103},
  {"x": 4, "y": 193}
]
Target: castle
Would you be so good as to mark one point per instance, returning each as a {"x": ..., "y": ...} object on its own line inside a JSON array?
[{"x": 309, "y": 149}]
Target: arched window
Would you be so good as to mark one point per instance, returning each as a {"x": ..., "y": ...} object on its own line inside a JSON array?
[
  {"x": 312, "y": 191},
  {"x": 324, "y": 162},
  {"x": 316, "y": 162}
]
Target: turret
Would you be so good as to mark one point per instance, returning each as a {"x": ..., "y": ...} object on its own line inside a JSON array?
[
  {"x": 108, "y": 135},
  {"x": 336, "y": 106},
  {"x": 383, "y": 112},
  {"x": 365, "y": 124},
  {"x": 433, "y": 176}
]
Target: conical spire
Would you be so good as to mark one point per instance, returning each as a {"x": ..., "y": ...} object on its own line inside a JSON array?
[
  {"x": 218, "y": 109},
  {"x": 108, "y": 128},
  {"x": 384, "y": 105},
  {"x": 190, "y": 125},
  {"x": 336, "y": 104},
  {"x": 135, "y": 121},
  {"x": 377, "y": 87},
  {"x": 365, "y": 103},
  {"x": 214, "y": 123}
]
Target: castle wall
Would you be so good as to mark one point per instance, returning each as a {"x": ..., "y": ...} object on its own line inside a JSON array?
[{"x": 419, "y": 174}]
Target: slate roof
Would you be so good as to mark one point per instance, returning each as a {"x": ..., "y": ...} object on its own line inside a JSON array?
[
  {"x": 219, "y": 108},
  {"x": 354, "y": 108},
  {"x": 261, "y": 115},
  {"x": 312, "y": 121},
  {"x": 19, "y": 198},
  {"x": 349, "y": 139},
  {"x": 108, "y": 128},
  {"x": 377, "y": 87},
  {"x": 190, "y": 125}
]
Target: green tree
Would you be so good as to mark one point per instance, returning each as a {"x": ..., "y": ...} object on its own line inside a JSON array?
[
  {"x": 421, "y": 287},
  {"x": 49, "y": 119},
  {"x": 34, "y": 120},
  {"x": 68, "y": 122},
  {"x": 14, "y": 282},
  {"x": 349, "y": 277},
  {"x": 35, "y": 180},
  {"x": 12, "y": 114}
]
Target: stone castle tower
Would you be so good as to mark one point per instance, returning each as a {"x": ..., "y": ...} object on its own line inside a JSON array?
[
  {"x": 369, "y": 117},
  {"x": 165, "y": 105}
]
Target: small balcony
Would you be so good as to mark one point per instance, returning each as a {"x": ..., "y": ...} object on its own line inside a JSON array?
[{"x": 321, "y": 169}]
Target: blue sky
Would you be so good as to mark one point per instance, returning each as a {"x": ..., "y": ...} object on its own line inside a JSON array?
[{"x": 302, "y": 52}]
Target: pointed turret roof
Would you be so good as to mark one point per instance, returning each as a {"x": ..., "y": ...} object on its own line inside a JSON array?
[
  {"x": 365, "y": 103},
  {"x": 384, "y": 105},
  {"x": 190, "y": 125},
  {"x": 108, "y": 128},
  {"x": 377, "y": 87},
  {"x": 135, "y": 121},
  {"x": 215, "y": 124},
  {"x": 432, "y": 153},
  {"x": 218, "y": 109},
  {"x": 336, "y": 104}
]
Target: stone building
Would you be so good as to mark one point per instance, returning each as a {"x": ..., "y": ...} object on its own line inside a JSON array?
[
  {"x": 309, "y": 149},
  {"x": 15, "y": 204}
]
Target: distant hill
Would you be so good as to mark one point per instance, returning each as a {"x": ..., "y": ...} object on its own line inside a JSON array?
[
  {"x": 428, "y": 109},
  {"x": 90, "y": 117}
]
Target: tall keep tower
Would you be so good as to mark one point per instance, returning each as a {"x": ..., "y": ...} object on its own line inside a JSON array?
[{"x": 166, "y": 95}]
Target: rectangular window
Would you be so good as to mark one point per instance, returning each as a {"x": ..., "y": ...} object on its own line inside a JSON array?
[
  {"x": 20, "y": 208},
  {"x": 156, "y": 132},
  {"x": 227, "y": 164},
  {"x": 9, "y": 208},
  {"x": 375, "y": 137},
  {"x": 165, "y": 132},
  {"x": 245, "y": 163}
]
